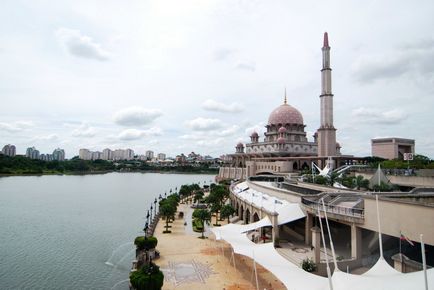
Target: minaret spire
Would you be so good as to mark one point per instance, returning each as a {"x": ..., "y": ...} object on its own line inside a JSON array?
[
  {"x": 327, "y": 131},
  {"x": 326, "y": 40},
  {"x": 285, "y": 100}
]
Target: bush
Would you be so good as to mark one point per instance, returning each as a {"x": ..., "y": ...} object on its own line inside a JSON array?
[
  {"x": 197, "y": 225},
  {"x": 308, "y": 265},
  {"x": 145, "y": 243},
  {"x": 149, "y": 277}
]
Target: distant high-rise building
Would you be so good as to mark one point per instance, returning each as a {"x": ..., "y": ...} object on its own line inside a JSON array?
[
  {"x": 9, "y": 150},
  {"x": 46, "y": 157},
  {"x": 161, "y": 156},
  {"x": 149, "y": 154},
  {"x": 32, "y": 153},
  {"x": 95, "y": 155},
  {"x": 59, "y": 154},
  {"x": 107, "y": 154},
  {"x": 84, "y": 154},
  {"x": 123, "y": 154}
]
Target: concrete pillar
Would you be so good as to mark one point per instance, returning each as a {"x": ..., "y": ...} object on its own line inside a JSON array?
[
  {"x": 307, "y": 229},
  {"x": 245, "y": 216},
  {"x": 316, "y": 244},
  {"x": 275, "y": 225},
  {"x": 356, "y": 242}
]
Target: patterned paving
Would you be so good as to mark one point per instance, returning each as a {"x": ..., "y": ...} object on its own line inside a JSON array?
[{"x": 187, "y": 272}]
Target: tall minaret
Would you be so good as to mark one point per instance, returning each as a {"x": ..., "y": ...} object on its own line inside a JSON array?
[{"x": 326, "y": 132}]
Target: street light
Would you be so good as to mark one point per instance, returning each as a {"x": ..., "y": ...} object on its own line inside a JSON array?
[
  {"x": 145, "y": 229},
  {"x": 155, "y": 205},
  {"x": 151, "y": 212},
  {"x": 147, "y": 216}
]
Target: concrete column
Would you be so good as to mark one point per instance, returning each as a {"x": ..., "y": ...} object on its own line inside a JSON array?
[
  {"x": 356, "y": 242},
  {"x": 316, "y": 243},
  {"x": 307, "y": 229},
  {"x": 245, "y": 216},
  {"x": 275, "y": 225}
]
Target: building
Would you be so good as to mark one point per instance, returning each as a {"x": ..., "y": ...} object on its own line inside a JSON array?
[
  {"x": 285, "y": 148},
  {"x": 107, "y": 154},
  {"x": 58, "y": 154},
  {"x": 32, "y": 153},
  {"x": 149, "y": 154},
  {"x": 9, "y": 150},
  {"x": 123, "y": 154},
  {"x": 392, "y": 148},
  {"x": 46, "y": 157},
  {"x": 84, "y": 154},
  {"x": 161, "y": 156},
  {"x": 95, "y": 155}
]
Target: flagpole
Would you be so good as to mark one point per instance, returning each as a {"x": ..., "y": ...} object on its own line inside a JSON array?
[
  {"x": 329, "y": 276},
  {"x": 422, "y": 246},
  {"x": 330, "y": 237},
  {"x": 380, "y": 240}
]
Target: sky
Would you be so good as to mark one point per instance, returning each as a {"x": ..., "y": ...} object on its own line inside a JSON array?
[{"x": 176, "y": 76}]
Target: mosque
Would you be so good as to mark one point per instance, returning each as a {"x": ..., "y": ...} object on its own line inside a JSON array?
[{"x": 285, "y": 147}]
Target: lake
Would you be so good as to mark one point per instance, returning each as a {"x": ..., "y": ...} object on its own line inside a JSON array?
[{"x": 76, "y": 232}]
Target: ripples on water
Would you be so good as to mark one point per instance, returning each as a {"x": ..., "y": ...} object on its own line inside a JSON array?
[{"x": 58, "y": 232}]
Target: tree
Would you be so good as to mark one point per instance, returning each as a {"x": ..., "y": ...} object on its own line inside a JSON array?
[
  {"x": 226, "y": 211},
  {"x": 167, "y": 211},
  {"x": 198, "y": 196},
  {"x": 149, "y": 277},
  {"x": 204, "y": 216},
  {"x": 360, "y": 182}
]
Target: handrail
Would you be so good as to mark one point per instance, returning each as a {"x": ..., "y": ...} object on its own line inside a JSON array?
[{"x": 336, "y": 209}]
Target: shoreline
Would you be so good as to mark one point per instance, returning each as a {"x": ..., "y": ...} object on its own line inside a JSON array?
[{"x": 74, "y": 173}]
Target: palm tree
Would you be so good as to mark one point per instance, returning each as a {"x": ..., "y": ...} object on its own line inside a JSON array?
[
  {"x": 226, "y": 211},
  {"x": 204, "y": 216}
]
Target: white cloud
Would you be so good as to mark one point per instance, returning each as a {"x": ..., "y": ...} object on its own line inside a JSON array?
[
  {"x": 204, "y": 124},
  {"x": 81, "y": 45},
  {"x": 136, "y": 116},
  {"x": 373, "y": 115},
  {"x": 17, "y": 126},
  {"x": 246, "y": 65},
  {"x": 134, "y": 134},
  {"x": 84, "y": 130},
  {"x": 49, "y": 137},
  {"x": 212, "y": 105},
  {"x": 228, "y": 131}
]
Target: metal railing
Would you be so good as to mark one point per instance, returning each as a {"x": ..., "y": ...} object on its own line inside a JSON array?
[{"x": 335, "y": 209}]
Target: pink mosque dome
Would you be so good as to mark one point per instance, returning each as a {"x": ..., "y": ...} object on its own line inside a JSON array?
[
  {"x": 239, "y": 145},
  {"x": 285, "y": 114},
  {"x": 282, "y": 130},
  {"x": 281, "y": 140},
  {"x": 254, "y": 134}
]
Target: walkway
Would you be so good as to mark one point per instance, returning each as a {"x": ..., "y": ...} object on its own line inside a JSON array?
[{"x": 191, "y": 263}]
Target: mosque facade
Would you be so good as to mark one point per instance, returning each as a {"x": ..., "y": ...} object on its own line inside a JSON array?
[{"x": 285, "y": 147}]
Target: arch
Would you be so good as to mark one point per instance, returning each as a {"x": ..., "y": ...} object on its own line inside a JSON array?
[
  {"x": 255, "y": 217},
  {"x": 305, "y": 166},
  {"x": 247, "y": 216},
  {"x": 295, "y": 166},
  {"x": 241, "y": 212}
]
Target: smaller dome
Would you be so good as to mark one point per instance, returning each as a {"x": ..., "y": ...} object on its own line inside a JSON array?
[
  {"x": 281, "y": 140},
  {"x": 239, "y": 145},
  {"x": 338, "y": 145},
  {"x": 254, "y": 134},
  {"x": 282, "y": 130}
]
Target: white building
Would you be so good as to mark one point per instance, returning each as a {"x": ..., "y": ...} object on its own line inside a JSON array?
[
  {"x": 84, "y": 154},
  {"x": 95, "y": 155},
  {"x": 9, "y": 150},
  {"x": 58, "y": 154},
  {"x": 46, "y": 157},
  {"x": 107, "y": 154},
  {"x": 161, "y": 156},
  {"x": 32, "y": 153},
  {"x": 149, "y": 154},
  {"x": 123, "y": 154}
]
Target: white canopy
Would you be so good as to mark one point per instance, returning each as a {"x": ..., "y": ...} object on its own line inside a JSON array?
[{"x": 259, "y": 224}]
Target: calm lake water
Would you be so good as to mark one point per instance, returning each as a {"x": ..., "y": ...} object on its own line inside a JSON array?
[{"x": 58, "y": 232}]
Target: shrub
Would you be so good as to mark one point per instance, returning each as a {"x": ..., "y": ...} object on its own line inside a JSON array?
[
  {"x": 145, "y": 243},
  {"x": 308, "y": 265},
  {"x": 149, "y": 277}
]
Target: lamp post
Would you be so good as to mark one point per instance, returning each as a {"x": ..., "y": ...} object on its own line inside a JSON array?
[
  {"x": 145, "y": 229},
  {"x": 147, "y": 217},
  {"x": 165, "y": 194},
  {"x": 160, "y": 197},
  {"x": 155, "y": 207},
  {"x": 151, "y": 212}
]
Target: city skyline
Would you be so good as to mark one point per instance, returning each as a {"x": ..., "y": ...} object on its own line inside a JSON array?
[{"x": 200, "y": 76}]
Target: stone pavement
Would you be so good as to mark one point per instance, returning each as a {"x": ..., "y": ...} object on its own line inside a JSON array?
[{"x": 189, "y": 262}]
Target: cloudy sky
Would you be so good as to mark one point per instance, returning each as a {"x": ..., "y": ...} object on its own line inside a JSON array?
[{"x": 201, "y": 75}]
